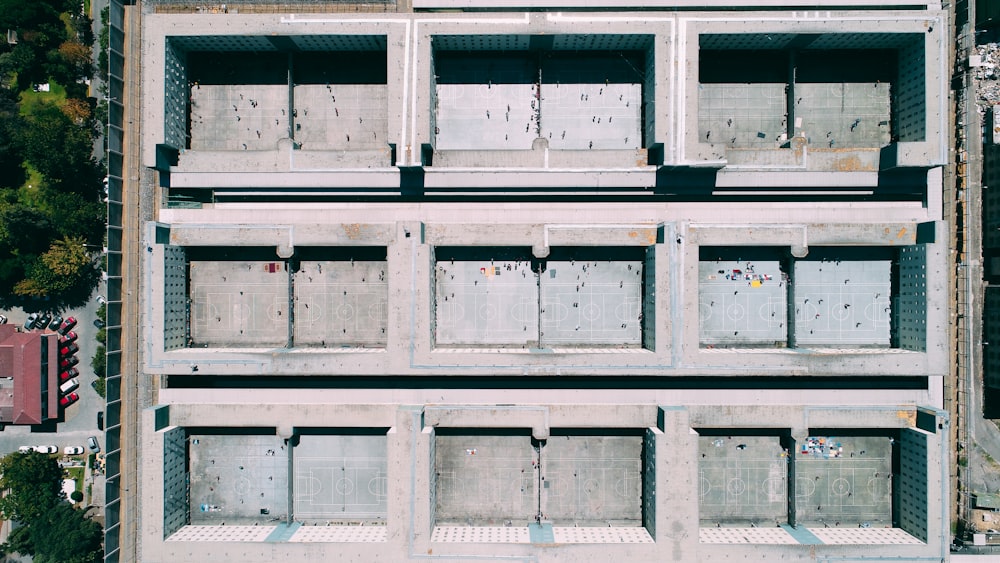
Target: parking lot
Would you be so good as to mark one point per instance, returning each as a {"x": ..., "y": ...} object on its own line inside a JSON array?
[{"x": 80, "y": 419}]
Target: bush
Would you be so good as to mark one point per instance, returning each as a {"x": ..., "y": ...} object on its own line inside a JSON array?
[
  {"x": 76, "y": 496},
  {"x": 100, "y": 362},
  {"x": 99, "y": 386}
]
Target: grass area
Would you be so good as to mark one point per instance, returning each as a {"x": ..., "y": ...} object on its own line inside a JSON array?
[
  {"x": 76, "y": 473},
  {"x": 30, "y": 192},
  {"x": 30, "y": 100}
]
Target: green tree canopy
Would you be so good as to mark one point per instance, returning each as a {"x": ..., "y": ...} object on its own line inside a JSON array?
[
  {"x": 64, "y": 535},
  {"x": 33, "y": 482},
  {"x": 24, "y": 230},
  {"x": 65, "y": 266}
]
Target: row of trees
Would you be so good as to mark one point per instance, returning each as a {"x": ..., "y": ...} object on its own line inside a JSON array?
[
  {"x": 51, "y": 185},
  {"x": 51, "y": 530}
]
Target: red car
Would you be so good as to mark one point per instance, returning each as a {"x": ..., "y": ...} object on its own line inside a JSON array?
[
  {"x": 69, "y": 374},
  {"x": 69, "y": 350},
  {"x": 69, "y": 400},
  {"x": 67, "y": 325},
  {"x": 69, "y": 362},
  {"x": 70, "y": 337}
]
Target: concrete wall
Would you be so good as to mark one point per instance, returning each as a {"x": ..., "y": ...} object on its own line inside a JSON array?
[
  {"x": 175, "y": 97},
  {"x": 991, "y": 337},
  {"x": 914, "y": 509},
  {"x": 912, "y": 299},
  {"x": 175, "y": 298},
  {"x": 910, "y": 107},
  {"x": 175, "y": 480},
  {"x": 649, "y": 326},
  {"x": 649, "y": 479}
]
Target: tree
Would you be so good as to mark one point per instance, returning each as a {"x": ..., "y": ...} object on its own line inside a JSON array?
[
  {"x": 24, "y": 229},
  {"x": 64, "y": 266},
  {"x": 64, "y": 535},
  {"x": 77, "y": 496},
  {"x": 33, "y": 482}
]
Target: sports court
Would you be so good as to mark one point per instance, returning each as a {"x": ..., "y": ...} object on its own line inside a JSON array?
[
  {"x": 571, "y": 303},
  {"x": 844, "y": 481},
  {"x": 742, "y": 303},
  {"x": 340, "y": 303},
  {"x": 499, "y": 478},
  {"x": 237, "y": 478},
  {"x": 842, "y": 303},
  {"x": 743, "y": 480},
  {"x": 239, "y": 303},
  {"x": 340, "y": 478},
  {"x": 522, "y": 89}
]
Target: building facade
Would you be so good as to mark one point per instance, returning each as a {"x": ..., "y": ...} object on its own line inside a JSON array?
[{"x": 707, "y": 316}]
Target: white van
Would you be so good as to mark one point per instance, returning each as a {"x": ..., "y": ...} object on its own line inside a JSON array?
[{"x": 69, "y": 386}]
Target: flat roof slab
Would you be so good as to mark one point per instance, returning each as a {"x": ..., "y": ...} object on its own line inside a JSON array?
[
  {"x": 486, "y": 303},
  {"x": 485, "y": 479},
  {"x": 741, "y": 303},
  {"x": 238, "y": 116},
  {"x": 339, "y": 476},
  {"x": 842, "y": 303},
  {"x": 239, "y": 304},
  {"x": 742, "y": 479},
  {"x": 591, "y": 303},
  {"x": 235, "y": 477},
  {"x": 593, "y": 480},
  {"x": 341, "y": 303}
]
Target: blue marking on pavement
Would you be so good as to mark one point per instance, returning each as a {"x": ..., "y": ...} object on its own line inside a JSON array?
[
  {"x": 283, "y": 532},
  {"x": 802, "y": 535},
  {"x": 541, "y": 533}
]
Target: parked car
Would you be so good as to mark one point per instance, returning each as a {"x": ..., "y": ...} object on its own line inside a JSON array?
[
  {"x": 100, "y": 420},
  {"x": 70, "y": 337},
  {"x": 69, "y": 350},
  {"x": 25, "y": 449},
  {"x": 70, "y": 385},
  {"x": 43, "y": 321},
  {"x": 3, "y": 320},
  {"x": 56, "y": 321},
  {"x": 69, "y": 374},
  {"x": 93, "y": 445},
  {"x": 46, "y": 449},
  {"x": 29, "y": 323},
  {"x": 73, "y": 450},
  {"x": 69, "y": 362},
  {"x": 68, "y": 400},
  {"x": 67, "y": 325}
]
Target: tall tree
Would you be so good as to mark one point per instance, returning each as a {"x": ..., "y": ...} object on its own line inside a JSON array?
[
  {"x": 33, "y": 482},
  {"x": 64, "y": 535}
]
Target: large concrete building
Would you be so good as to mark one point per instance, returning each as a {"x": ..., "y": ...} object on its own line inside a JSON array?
[{"x": 528, "y": 279}]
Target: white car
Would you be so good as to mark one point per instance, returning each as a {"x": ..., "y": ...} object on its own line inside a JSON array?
[
  {"x": 73, "y": 450},
  {"x": 69, "y": 386},
  {"x": 25, "y": 449},
  {"x": 46, "y": 449}
]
